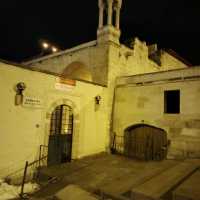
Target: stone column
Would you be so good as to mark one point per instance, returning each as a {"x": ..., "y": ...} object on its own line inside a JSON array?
[
  {"x": 101, "y": 10},
  {"x": 117, "y": 20},
  {"x": 110, "y": 10}
]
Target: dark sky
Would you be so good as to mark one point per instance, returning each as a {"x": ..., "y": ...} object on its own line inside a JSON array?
[{"x": 172, "y": 24}]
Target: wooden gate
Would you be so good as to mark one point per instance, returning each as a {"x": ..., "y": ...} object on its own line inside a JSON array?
[
  {"x": 60, "y": 138},
  {"x": 145, "y": 142}
]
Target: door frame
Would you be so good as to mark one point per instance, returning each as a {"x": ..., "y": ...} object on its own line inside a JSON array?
[
  {"x": 127, "y": 136},
  {"x": 76, "y": 125}
]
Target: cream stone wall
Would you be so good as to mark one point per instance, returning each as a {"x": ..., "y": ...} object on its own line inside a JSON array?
[
  {"x": 135, "y": 61},
  {"x": 140, "y": 100},
  {"x": 23, "y": 129},
  {"x": 123, "y": 61},
  {"x": 93, "y": 57},
  {"x": 169, "y": 62},
  {"x": 106, "y": 61},
  {"x": 100, "y": 58}
]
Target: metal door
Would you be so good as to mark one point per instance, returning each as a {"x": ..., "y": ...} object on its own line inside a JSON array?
[{"x": 60, "y": 138}]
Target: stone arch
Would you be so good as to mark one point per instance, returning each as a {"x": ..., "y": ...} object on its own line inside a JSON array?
[
  {"x": 76, "y": 124},
  {"x": 142, "y": 124},
  {"x": 77, "y": 70}
]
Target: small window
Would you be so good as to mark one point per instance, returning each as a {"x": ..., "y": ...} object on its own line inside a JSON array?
[{"x": 172, "y": 101}]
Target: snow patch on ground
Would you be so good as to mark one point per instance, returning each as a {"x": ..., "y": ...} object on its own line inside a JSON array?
[{"x": 11, "y": 191}]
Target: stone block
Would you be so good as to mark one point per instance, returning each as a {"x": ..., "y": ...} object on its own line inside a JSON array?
[
  {"x": 189, "y": 189},
  {"x": 74, "y": 192},
  {"x": 162, "y": 184}
]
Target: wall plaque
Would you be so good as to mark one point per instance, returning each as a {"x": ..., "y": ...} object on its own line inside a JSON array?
[
  {"x": 65, "y": 84},
  {"x": 32, "y": 102}
]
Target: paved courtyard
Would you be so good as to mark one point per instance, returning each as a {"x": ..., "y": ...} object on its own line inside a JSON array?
[{"x": 109, "y": 174}]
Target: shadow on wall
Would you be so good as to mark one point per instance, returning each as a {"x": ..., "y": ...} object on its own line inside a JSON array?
[{"x": 77, "y": 71}]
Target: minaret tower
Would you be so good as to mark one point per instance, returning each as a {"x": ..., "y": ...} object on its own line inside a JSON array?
[{"x": 109, "y": 21}]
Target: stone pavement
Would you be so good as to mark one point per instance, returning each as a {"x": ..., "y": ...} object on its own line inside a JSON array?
[
  {"x": 107, "y": 175},
  {"x": 161, "y": 184},
  {"x": 73, "y": 192},
  {"x": 190, "y": 189}
]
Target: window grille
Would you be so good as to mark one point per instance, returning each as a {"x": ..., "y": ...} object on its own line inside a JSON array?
[{"x": 62, "y": 120}]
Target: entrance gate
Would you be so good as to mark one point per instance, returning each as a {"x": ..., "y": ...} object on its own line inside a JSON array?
[
  {"x": 60, "y": 138},
  {"x": 145, "y": 142}
]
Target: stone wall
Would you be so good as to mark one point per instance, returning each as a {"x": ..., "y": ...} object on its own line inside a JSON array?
[
  {"x": 141, "y": 100},
  {"x": 93, "y": 57},
  {"x": 23, "y": 128},
  {"x": 106, "y": 61},
  {"x": 123, "y": 61}
]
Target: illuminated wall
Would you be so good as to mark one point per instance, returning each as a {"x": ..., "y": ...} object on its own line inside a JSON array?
[
  {"x": 141, "y": 99},
  {"x": 24, "y": 128}
]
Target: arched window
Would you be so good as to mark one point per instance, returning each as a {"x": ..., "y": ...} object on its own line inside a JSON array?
[{"x": 61, "y": 120}]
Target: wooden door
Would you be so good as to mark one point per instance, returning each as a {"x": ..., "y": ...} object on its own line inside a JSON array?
[{"x": 145, "y": 142}]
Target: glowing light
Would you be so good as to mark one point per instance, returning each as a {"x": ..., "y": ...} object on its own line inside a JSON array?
[
  {"x": 54, "y": 49},
  {"x": 45, "y": 45}
]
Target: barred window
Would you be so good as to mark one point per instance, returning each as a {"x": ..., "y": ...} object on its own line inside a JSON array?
[{"x": 62, "y": 120}]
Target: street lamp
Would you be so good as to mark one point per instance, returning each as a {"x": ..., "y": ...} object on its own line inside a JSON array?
[
  {"x": 45, "y": 45},
  {"x": 48, "y": 48},
  {"x": 54, "y": 49}
]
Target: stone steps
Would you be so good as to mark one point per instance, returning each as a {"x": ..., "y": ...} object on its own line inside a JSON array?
[
  {"x": 160, "y": 186},
  {"x": 189, "y": 189}
]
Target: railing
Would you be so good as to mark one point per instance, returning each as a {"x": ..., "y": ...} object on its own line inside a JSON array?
[
  {"x": 117, "y": 144},
  {"x": 43, "y": 155},
  {"x": 140, "y": 149},
  {"x": 30, "y": 168}
]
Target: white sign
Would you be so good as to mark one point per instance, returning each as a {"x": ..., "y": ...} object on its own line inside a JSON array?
[
  {"x": 64, "y": 87},
  {"x": 32, "y": 102}
]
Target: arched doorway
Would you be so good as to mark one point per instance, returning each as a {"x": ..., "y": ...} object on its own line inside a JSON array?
[
  {"x": 60, "y": 138},
  {"x": 145, "y": 142}
]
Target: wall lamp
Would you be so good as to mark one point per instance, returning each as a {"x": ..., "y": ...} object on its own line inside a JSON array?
[
  {"x": 20, "y": 87},
  {"x": 97, "y": 99}
]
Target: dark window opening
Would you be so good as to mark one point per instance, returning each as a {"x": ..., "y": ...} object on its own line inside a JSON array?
[
  {"x": 114, "y": 18},
  {"x": 172, "y": 101},
  {"x": 105, "y": 17}
]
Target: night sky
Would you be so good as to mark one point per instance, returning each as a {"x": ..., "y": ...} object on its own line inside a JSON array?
[{"x": 170, "y": 23}]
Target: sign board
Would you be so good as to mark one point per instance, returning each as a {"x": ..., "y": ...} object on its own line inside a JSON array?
[
  {"x": 66, "y": 81},
  {"x": 65, "y": 84},
  {"x": 32, "y": 102}
]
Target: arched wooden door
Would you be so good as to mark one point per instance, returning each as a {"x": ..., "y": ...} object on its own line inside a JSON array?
[
  {"x": 145, "y": 142},
  {"x": 60, "y": 138}
]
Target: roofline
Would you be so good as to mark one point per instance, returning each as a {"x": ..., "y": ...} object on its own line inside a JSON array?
[
  {"x": 21, "y": 65},
  {"x": 181, "y": 74},
  {"x": 76, "y": 48},
  {"x": 12, "y": 64},
  {"x": 177, "y": 56}
]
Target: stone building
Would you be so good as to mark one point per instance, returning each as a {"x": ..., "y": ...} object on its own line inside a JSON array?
[{"x": 80, "y": 97}]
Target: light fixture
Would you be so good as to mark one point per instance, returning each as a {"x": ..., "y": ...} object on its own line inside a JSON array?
[
  {"x": 20, "y": 87},
  {"x": 45, "y": 45},
  {"x": 54, "y": 49},
  {"x": 97, "y": 99}
]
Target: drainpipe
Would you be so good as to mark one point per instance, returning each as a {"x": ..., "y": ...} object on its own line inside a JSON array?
[{"x": 112, "y": 134}]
